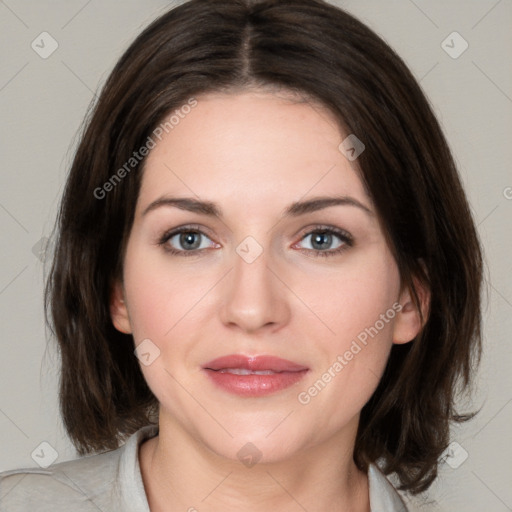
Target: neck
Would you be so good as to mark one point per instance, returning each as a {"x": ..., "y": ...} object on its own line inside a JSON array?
[{"x": 181, "y": 473}]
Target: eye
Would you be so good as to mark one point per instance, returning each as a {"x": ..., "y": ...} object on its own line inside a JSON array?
[
  {"x": 321, "y": 241},
  {"x": 190, "y": 240},
  {"x": 185, "y": 241}
]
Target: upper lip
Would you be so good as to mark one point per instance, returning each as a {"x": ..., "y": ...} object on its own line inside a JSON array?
[{"x": 254, "y": 363}]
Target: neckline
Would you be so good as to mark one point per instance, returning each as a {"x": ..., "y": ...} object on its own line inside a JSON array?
[{"x": 383, "y": 496}]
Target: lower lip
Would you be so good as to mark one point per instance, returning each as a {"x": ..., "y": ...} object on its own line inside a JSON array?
[{"x": 255, "y": 385}]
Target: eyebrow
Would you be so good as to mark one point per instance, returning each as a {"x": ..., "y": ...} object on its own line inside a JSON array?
[{"x": 294, "y": 210}]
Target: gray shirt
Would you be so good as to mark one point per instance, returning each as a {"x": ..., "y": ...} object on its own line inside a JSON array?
[{"x": 112, "y": 482}]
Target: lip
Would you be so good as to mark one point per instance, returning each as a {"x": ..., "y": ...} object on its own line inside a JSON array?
[
  {"x": 254, "y": 363},
  {"x": 284, "y": 373}
]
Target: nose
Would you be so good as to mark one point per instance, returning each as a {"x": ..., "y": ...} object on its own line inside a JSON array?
[{"x": 255, "y": 296}]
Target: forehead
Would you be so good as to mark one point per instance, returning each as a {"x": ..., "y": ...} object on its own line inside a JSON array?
[{"x": 253, "y": 148}]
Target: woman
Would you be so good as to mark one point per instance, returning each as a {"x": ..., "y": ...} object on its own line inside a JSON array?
[{"x": 263, "y": 207}]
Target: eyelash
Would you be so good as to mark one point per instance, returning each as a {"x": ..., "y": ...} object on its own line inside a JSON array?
[{"x": 343, "y": 235}]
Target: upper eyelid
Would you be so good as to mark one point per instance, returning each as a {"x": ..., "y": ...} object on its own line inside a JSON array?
[
  {"x": 322, "y": 227},
  {"x": 186, "y": 228}
]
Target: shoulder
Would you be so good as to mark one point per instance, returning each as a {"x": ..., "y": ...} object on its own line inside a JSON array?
[
  {"x": 79, "y": 485},
  {"x": 106, "y": 481}
]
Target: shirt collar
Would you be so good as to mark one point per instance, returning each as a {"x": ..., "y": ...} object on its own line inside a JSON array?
[{"x": 383, "y": 496}]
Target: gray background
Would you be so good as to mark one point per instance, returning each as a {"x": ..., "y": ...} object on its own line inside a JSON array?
[{"x": 43, "y": 102}]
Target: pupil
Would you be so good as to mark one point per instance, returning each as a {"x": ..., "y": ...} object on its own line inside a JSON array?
[
  {"x": 188, "y": 239},
  {"x": 317, "y": 239}
]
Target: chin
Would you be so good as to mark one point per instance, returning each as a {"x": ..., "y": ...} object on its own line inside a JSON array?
[{"x": 254, "y": 446}]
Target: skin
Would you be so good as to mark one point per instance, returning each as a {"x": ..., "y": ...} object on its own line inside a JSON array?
[{"x": 254, "y": 153}]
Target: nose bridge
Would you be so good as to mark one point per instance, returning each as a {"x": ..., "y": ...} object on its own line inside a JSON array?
[{"x": 255, "y": 297}]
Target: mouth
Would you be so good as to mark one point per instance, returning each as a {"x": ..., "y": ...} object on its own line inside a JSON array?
[
  {"x": 254, "y": 376},
  {"x": 244, "y": 371}
]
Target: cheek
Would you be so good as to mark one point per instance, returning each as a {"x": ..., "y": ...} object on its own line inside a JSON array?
[
  {"x": 147, "y": 308},
  {"x": 360, "y": 315},
  {"x": 160, "y": 306},
  {"x": 354, "y": 298},
  {"x": 159, "y": 294}
]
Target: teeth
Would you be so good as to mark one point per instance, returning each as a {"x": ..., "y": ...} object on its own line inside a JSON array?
[{"x": 244, "y": 371}]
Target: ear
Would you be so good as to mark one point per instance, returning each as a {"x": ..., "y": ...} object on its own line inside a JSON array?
[
  {"x": 408, "y": 321},
  {"x": 118, "y": 309}
]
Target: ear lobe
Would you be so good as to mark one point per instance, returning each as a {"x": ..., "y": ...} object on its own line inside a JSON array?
[
  {"x": 408, "y": 322},
  {"x": 118, "y": 309}
]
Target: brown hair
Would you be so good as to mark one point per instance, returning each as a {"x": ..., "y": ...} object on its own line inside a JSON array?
[{"x": 314, "y": 48}]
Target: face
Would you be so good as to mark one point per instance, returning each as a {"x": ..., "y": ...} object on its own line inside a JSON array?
[{"x": 314, "y": 285}]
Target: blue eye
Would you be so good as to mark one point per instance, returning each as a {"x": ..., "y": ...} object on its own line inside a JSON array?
[
  {"x": 189, "y": 241},
  {"x": 323, "y": 238}
]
